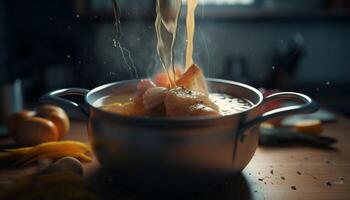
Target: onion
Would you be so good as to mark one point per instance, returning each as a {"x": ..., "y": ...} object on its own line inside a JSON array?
[
  {"x": 58, "y": 116},
  {"x": 36, "y": 130},
  {"x": 15, "y": 121}
]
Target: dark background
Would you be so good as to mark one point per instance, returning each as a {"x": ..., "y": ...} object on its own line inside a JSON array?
[{"x": 291, "y": 45}]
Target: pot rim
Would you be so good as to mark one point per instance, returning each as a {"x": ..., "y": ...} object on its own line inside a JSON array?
[{"x": 116, "y": 116}]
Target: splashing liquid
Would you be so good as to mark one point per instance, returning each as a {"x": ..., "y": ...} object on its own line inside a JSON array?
[
  {"x": 168, "y": 12},
  {"x": 126, "y": 54},
  {"x": 190, "y": 27}
]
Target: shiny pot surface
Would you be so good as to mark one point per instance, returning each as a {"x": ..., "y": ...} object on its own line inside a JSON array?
[{"x": 178, "y": 154}]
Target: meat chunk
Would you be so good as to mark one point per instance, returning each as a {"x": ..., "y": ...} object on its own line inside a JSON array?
[
  {"x": 153, "y": 100},
  {"x": 193, "y": 79},
  {"x": 202, "y": 110},
  {"x": 182, "y": 102},
  {"x": 142, "y": 87}
]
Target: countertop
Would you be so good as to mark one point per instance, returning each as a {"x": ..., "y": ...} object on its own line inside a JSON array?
[{"x": 296, "y": 172}]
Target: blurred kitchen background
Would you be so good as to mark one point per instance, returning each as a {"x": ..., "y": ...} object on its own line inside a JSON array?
[{"x": 298, "y": 45}]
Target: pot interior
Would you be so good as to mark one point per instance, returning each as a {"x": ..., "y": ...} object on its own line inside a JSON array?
[{"x": 231, "y": 88}]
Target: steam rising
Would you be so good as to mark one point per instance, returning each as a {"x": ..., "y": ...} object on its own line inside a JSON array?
[{"x": 168, "y": 12}]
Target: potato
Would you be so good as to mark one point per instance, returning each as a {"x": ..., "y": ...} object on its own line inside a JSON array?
[
  {"x": 36, "y": 130},
  {"x": 58, "y": 116},
  {"x": 15, "y": 121}
]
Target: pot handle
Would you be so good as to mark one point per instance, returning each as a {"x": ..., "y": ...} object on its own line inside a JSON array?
[
  {"x": 307, "y": 106},
  {"x": 75, "y": 108}
]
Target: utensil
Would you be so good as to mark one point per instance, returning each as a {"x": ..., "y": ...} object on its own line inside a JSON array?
[{"x": 175, "y": 154}]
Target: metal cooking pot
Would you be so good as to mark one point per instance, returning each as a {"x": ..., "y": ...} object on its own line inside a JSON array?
[{"x": 177, "y": 154}]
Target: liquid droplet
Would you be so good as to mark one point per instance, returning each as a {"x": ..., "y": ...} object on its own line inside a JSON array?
[
  {"x": 114, "y": 42},
  {"x": 77, "y": 16},
  {"x": 68, "y": 56},
  {"x": 328, "y": 83},
  {"x": 273, "y": 67}
]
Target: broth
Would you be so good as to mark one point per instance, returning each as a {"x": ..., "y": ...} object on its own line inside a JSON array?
[{"x": 227, "y": 104}]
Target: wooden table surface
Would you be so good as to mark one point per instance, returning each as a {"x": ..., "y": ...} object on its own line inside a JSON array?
[{"x": 273, "y": 173}]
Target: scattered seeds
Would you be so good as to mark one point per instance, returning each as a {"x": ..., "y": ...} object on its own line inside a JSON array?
[
  {"x": 260, "y": 179},
  {"x": 271, "y": 171},
  {"x": 259, "y": 173},
  {"x": 314, "y": 177},
  {"x": 255, "y": 191},
  {"x": 328, "y": 183},
  {"x": 265, "y": 183},
  {"x": 306, "y": 158},
  {"x": 339, "y": 181},
  {"x": 327, "y": 162},
  {"x": 293, "y": 187},
  {"x": 298, "y": 172},
  {"x": 283, "y": 178}
]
